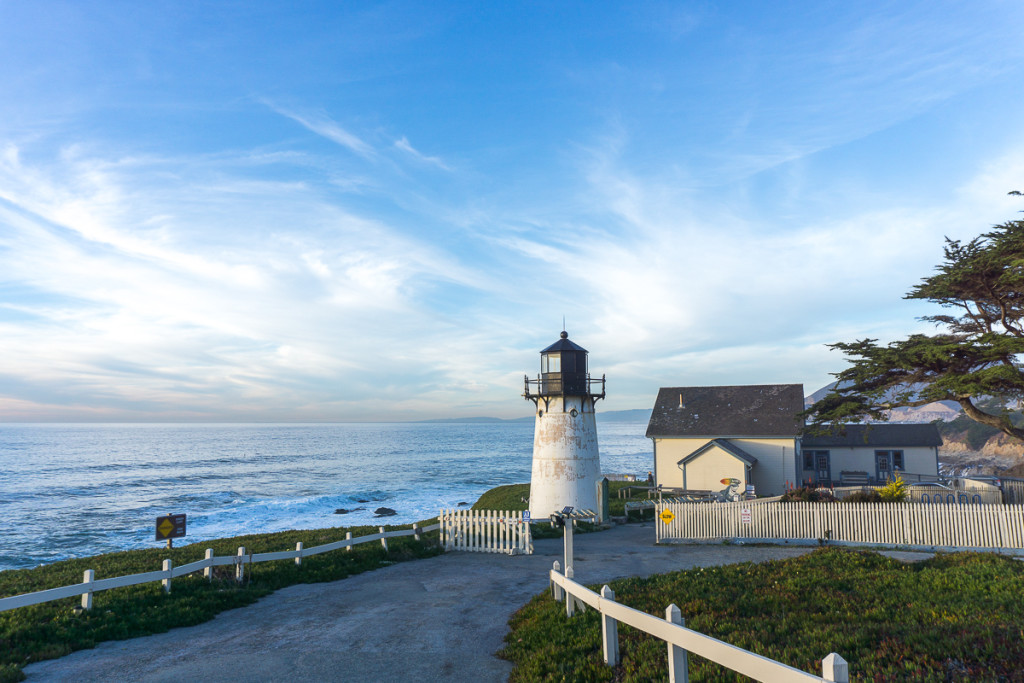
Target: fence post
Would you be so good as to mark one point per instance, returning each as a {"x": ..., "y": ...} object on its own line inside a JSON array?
[
  {"x": 383, "y": 541},
  {"x": 567, "y": 542},
  {"x": 87, "y": 595},
  {"x": 416, "y": 532},
  {"x": 348, "y": 537},
  {"x": 240, "y": 564},
  {"x": 570, "y": 602},
  {"x": 298, "y": 558},
  {"x": 167, "y": 582},
  {"x": 678, "y": 659},
  {"x": 609, "y": 631},
  {"x": 835, "y": 669},
  {"x": 556, "y": 590},
  {"x": 208, "y": 572}
]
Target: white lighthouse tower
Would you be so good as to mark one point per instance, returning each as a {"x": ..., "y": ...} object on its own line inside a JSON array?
[{"x": 566, "y": 464}]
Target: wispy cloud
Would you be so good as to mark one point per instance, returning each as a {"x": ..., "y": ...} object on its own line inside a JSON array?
[
  {"x": 322, "y": 125},
  {"x": 404, "y": 145}
]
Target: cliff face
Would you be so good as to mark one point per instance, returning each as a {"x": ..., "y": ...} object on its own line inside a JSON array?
[
  {"x": 998, "y": 445},
  {"x": 997, "y": 455}
]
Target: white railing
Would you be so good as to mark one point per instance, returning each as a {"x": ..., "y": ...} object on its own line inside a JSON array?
[
  {"x": 90, "y": 585},
  {"x": 486, "y": 531},
  {"x": 950, "y": 526},
  {"x": 681, "y": 640}
]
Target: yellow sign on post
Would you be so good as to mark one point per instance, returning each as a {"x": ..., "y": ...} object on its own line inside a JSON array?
[{"x": 666, "y": 516}]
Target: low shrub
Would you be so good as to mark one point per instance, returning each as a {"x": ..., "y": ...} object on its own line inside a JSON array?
[
  {"x": 862, "y": 496},
  {"x": 894, "y": 491},
  {"x": 807, "y": 494}
]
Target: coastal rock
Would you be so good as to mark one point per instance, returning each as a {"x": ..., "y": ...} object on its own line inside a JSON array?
[
  {"x": 341, "y": 511},
  {"x": 360, "y": 500},
  {"x": 463, "y": 504},
  {"x": 384, "y": 512}
]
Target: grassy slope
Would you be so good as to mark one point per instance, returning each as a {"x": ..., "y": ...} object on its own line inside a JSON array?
[
  {"x": 53, "y": 629},
  {"x": 954, "y": 617},
  {"x": 513, "y": 497}
]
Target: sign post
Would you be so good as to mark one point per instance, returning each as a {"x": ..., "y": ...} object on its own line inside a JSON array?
[{"x": 169, "y": 527}]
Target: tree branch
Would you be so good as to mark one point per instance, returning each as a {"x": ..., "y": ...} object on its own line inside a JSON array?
[{"x": 1000, "y": 422}]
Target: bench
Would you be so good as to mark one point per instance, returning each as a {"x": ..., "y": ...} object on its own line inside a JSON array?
[{"x": 853, "y": 478}]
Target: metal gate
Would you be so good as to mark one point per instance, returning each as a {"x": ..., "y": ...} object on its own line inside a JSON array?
[{"x": 486, "y": 531}]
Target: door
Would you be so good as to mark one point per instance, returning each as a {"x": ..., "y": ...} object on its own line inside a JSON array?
[
  {"x": 883, "y": 466},
  {"x": 822, "y": 467}
]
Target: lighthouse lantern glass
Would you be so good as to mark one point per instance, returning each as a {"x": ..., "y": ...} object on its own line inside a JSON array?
[{"x": 552, "y": 362}]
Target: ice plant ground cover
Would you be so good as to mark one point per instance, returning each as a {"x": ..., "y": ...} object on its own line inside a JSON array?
[
  {"x": 56, "y": 628},
  {"x": 954, "y": 617}
]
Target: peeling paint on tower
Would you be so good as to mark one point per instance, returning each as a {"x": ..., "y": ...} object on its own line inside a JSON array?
[{"x": 566, "y": 460}]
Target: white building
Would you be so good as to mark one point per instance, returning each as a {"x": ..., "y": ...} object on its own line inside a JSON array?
[{"x": 702, "y": 435}]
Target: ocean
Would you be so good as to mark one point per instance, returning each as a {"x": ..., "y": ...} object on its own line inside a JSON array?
[{"x": 73, "y": 490}]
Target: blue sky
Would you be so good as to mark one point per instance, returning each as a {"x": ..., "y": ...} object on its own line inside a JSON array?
[{"x": 357, "y": 211}]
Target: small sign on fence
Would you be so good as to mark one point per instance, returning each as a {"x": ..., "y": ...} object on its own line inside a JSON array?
[
  {"x": 170, "y": 526},
  {"x": 526, "y": 515},
  {"x": 745, "y": 516},
  {"x": 667, "y": 516}
]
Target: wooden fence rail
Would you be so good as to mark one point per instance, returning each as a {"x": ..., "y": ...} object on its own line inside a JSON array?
[
  {"x": 951, "y": 526},
  {"x": 486, "y": 531},
  {"x": 89, "y": 585},
  {"x": 681, "y": 640}
]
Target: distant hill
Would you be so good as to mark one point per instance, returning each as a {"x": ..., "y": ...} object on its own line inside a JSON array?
[{"x": 635, "y": 415}]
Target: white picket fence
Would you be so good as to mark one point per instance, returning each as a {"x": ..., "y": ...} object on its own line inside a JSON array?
[
  {"x": 486, "y": 531},
  {"x": 90, "y": 585},
  {"x": 950, "y": 526},
  {"x": 681, "y": 640}
]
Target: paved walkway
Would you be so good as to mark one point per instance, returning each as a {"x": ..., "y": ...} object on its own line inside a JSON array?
[{"x": 440, "y": 619}]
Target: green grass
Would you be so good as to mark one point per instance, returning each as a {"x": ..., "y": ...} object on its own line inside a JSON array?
[
  {"x": 54, "y": 629},
  {"x": 513, "y": 497},
  {"x": 955, "y": 617}
]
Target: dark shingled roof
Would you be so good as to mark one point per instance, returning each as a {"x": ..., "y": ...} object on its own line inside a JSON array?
[
  {"x": 887, "y": 434},
  {"x": 563, "y": 344},
  {"x": 727, "y": 446},
  {"x": 755, "y": 410}
]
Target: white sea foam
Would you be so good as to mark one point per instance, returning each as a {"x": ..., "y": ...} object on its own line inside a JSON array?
[{"x": 77, "y": 490}]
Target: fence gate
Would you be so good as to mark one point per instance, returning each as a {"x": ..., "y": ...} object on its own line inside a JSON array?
[{"x": 486, "y": 531}]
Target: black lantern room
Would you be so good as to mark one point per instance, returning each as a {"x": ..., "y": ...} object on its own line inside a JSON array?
[{"x": 563, "y": 372}]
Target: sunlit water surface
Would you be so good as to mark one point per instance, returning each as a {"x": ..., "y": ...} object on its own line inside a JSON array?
[{"x": 72, "y": 490}]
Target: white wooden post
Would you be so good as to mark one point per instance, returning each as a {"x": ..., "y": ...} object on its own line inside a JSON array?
[
  {"x": 678, "y": 660},
  {"x": 416, "y": 532},
  {"x": 567, "y": 541},
  {"x": 570, "y": 603},
  {"x": 835, "y": 669},
  {"x": 240, "y": 564},
  {"x": 298, "y": 558},
  {"x": 167, "y": 581},
  {"x": 556, "y": 590},
  {"x": 348, "y": 537},
  {"x": 609, "y": 632},
  {"x": 89, "y": 576},
  {"x": 383, "y": 541},
  {"x": 208, "y": 572}
]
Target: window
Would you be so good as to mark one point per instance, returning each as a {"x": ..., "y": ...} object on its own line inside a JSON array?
[
  {"x": 811, "y": 457},
  {"x": 552, "y": 363},
  {"x": 889, "y": 458}
]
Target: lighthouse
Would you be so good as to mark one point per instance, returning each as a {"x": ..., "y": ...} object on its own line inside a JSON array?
[{"x": 566, "y": 463}]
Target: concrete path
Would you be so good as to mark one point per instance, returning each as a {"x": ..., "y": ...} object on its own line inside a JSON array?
[{"x": 440, "y": 619}]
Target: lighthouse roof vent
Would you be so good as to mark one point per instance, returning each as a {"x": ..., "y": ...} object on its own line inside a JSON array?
[{"x": 564, "y": 344}]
